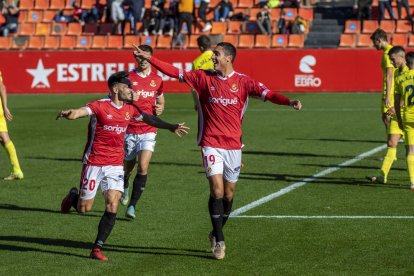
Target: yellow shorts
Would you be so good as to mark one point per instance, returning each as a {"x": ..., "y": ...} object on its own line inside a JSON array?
[
  {"x": 394, "y": 128},
  {"x": 3, "y": 123},
  {"x": 409, "y": 133}
]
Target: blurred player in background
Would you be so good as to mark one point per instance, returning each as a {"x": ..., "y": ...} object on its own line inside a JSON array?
[
  {"x": 404, "y": 92},
  {"x": 222, "y": 100},
  {"x": 104, "y": 153},
  {"x": 379, "y": 39},
  {"x": 8, "y": 145},
  {"x": 140, "y": 137}
]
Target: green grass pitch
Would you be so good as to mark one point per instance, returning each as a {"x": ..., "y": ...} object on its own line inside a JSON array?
[{"x": 169, "y": 236}]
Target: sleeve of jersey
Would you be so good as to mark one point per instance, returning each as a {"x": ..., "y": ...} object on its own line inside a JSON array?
[
  {"x": 92, "y": 108},
  {"x": 137, "y": 114},
  {"x": 259, "y": 90},
  {"x": 189, "y": 77},
  {"x": 277, "y": 98},
  {"x": 160, "y": 91}
]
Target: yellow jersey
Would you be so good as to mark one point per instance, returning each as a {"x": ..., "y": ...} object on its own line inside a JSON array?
[
  {"x": 404, "y": 86},
  {"x": 1, "y": 103},
  {"x": 385, "y": 64},
  {"x": 203, "y": 61}
]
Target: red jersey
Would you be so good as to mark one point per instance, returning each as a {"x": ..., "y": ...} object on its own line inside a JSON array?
[
  {"x": 149, "y": 87},
  {"x": 222, "y": 103},
  {"x": 107, "y": 128}
]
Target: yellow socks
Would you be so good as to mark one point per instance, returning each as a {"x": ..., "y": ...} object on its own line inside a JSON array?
[
  {"x": 410, "y": 166},
  {"x": 387, "y": 163},
  {"x": 11, "y": 152}
]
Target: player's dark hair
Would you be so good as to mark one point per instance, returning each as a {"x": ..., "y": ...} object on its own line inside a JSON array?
[
  {"x": 396, "y": 50},
  {"x": 119, "y": 77},
  {"x": 409, "y": 57},
  {"x": 146, "y": 48},
  {"x": 379, "y": 34},
  {"x": 204, "y": 42},
  {"x": 229, "y": 50}
]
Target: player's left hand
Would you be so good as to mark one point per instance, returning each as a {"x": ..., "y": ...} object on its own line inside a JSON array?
[
  {"x": 391, "y": 111},
  {"x": 8, "y": 114},
  {"x": 181, "y": 130},
  {"x": 159, "y": 108},
  {"x": 296, "y": 104}
]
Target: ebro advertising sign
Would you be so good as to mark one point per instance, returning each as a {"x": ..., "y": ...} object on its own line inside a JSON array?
[{"x": 329, "y": 70}]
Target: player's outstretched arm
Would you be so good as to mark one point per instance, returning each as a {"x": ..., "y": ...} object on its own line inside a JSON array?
[
  {"x": 296, "y": 104},
  {"x": 397, "y": 106},
  {"x": 277, "y": 98},
  {"x": 162, "y": 66},
  {"x": 178, "y": 129},
  {"x": 73, "y": 114}
]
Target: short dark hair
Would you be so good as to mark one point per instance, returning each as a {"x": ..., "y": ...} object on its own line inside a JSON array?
[
  {"x": 119, "y": 77},
  {"x": 409, "y": 57},
  {"x": 146, "y": 48},
  {"x": 396, "y": 50},
  {"x": 204, "y": 41},
  {"x": 229, "y": 50},
  {"x": 379, "y": 34}
]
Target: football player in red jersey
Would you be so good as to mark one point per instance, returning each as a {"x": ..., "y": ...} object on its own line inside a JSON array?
[
  {"x": 104, "y": 152},
  {"x": 222, "y": 100},
  {"x": 140, "y": 137}
]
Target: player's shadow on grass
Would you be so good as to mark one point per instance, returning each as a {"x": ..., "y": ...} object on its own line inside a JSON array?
[
  {"x": 351, "y": 167},
  {"x": 272, "y": 177},
  {"x": 152, "y": 250},
  {"x": 293, "y": 154},
  {"x": 64, "y": 159},
  {"x": 175, "y": 164},
  {"x": 339, "y": 140},
  {"x": 6, "y": 247}
]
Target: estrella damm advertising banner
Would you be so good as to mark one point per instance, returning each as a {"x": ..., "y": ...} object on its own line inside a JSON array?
[{"x": 313, "y": 70}]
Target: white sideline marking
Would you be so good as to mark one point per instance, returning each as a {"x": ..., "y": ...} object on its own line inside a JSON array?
[
  {"x": 305, "y": 181},
  {"x": 328, "y": 217}
]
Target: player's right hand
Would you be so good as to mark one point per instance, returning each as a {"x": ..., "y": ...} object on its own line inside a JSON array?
[
  {"x": 63, "y": 114},
  {"x": 181, "y": 130},
  {"x": 8, "y": 114}
]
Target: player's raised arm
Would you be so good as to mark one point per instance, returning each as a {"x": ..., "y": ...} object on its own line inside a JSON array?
[
  {"x": 73, "y": 114},
  {"x": 179, "y": 129}
]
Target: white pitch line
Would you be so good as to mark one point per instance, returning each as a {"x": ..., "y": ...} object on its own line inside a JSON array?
[
  {"x": 305, "y": 181},
  {"x": 327, "y": 217}
]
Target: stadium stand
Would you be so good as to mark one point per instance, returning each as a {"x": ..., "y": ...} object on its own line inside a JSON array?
[
  {"x": 262, "y": 41},
  {"x": 100, "y": 42},
  {"x": 348, "y": 40},
  {"x": 36, "y": 42},
  {"x": 116, "y": 41},
  {"x": 52, "y": 42},
  {"x": 279, "y": 41},
  {"x": 364, "y": 40},
  {"x": 246, "y": 41},
  {"x": 400, "y": 39}
]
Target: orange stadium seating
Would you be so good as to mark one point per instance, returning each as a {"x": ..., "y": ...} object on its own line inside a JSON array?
[
  {"x": 296, "y": 40},
  {"x": 116, "y": 41},
  {"x": 364, "y": 40},
  {"x": 57, "y": 4},
  {"x": 234, "y": 27},
  {"x": 279, "y": 41},
  {"x": 59, "y": 28},
  {"x": 83, "y": 42},
  {"x": 164, "y": 42},
  {"x": 43, "y": 29},
  {"x": 52, "y": 42},
  {"x": 233, "y": 39},
  {"x": 48, "y": 15},
  {"x": 41, "y": 4},
  {"x": 74, "y": 29},
  {"x": 35, "y": 16},
  {"x": 369, "y": 26},
  {"x": 352, "y": 27},
  {"x": 27, "y": 29},
  {"x": 403, "y": 26},
  {"x": 347, "y": 40},
  {"x": 246, "y": 41},
  {"x": 388, "y": 26},
  {"x": 129, "y": 40},
  {"x": 26, "y": 4},
  {"x": 100, "y": 42},
  {"x": 36, "y": 42},
  {"x": 400, "y": 39},
  {"x": 411, "y": 40},
  {"x": 219, "y": 28},
  {"x": 192, "y": 42},
  {"x": 262, "y": 41},
  {"x": 5, "y": 42},
  {"x": 68, "y": 42}
]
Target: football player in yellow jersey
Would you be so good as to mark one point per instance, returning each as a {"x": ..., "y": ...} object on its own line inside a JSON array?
[
  {"x": 404, "y": 93},
  {"x": 394, "y": 133},
  {"x": 203, "y": 61},
  {"x": 5, "y": 141}
]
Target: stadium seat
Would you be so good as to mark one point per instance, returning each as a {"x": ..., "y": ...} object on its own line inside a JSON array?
[
  {"x": 246, "y": 41},
  {"x": 148, "y": 40},
  {"x": 364, "y": 40},
  {"x": 245, "y": 4},
  {"x": 90, "y": 28},
  {"x": 164, "y": 42},
  {"x": 290, "y": 14},
  {"x": 403, "y": 26},
  {"x": 369, "y": 26},
  {"x": 43, "y": 28},
  {"x": 59, "y": 28},
  {"x": 57, "y": 4},
  {"x": 219, "y": 28},
  {"x": 296, "y": 41},
  {"x": 105, "y": 28},
  {"x": 347, "y": 40},
  {"x": 400, "y": 39},
  {"x": 129, "y": 40},
  {"x": 41, "y": 4},
  {"x": 192, "y": 42},
  {"x": 147, "y": 4},
  {"x": 262, "y": 41},
  {"x": 395, "y": 13},
  {"x": 74, "y": 29},
  {"x": 22, "y": 16},
  {"x": 2, "y": 19},
  {"x": 101, "y": 42},
  {"x": 68, "y": 42},
  {"x": 306, "y": 13},
  {"x": 233, "y": 39},
  {"x": 35, "y": 16},
  {"x": 275, "y": 14},
  {"x": 36, "y": 42},
  {"x": 83, "y": 42},
  {"x": 27, "y": 29},
  {"x": 20, "y": 42},
  {"x": 235, "y": 27},
  {"x": 352, "y": 27},
  {"x": 52, "y": 42},
  {"x": 411, "y": 40},
  {"x": 5, "y": 42},
  {"x": 87, "y": 4},
  {"x": 213, "y": 3},
  {"x": 254, "y": 12},
  {"x": 388, "y": 26},
  {"x": 117, "y": 41},
  {"x": 48, "y": 15},
  {"x": 26, "y": 4},
  {"x": 279, "y": 40}
]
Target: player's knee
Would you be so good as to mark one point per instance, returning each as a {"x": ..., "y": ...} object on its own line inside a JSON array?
[
  {"x": 217, "y": 193},
  {"x": 143, "y": 169}
]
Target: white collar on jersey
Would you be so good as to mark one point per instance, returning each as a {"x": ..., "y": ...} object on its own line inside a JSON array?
[
  {"x": 225, "y": 78},
  {"x": 142, "y": 74},
  {"x": 116, "y": 106},
  {"x": 108, "y": 99}
]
